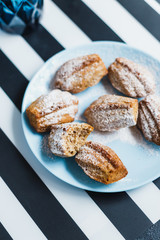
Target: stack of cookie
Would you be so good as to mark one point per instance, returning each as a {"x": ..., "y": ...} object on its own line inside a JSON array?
[{"x": 55, "y": 112}]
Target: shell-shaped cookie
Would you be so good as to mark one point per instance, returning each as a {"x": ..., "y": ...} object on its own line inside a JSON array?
[
  {"x": 80, "y": 73},
  {"x": 149, "y": 118},
  {"x": 53, "y": 108},
  {"x": 131, "y": 78},
  {"x": 66, "y": 139},
  {"x": 111, "y": 112},
  {"x": 100, "y": 163}
]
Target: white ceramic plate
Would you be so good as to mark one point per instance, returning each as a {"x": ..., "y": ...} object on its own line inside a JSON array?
[{"x": 141, "y": 158}]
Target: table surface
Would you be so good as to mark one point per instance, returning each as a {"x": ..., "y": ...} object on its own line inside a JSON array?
[{"x": 34, "y": 204}]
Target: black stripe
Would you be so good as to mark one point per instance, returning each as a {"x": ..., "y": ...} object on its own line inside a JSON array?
[
  {"x": 87, "y": 20},
  {"x": 11, "y": 80},
  {"x": 123, "y": 213},
  {"x": 158, "y": 1},
  {"x": 157, "y": 182},
  {"x": 4, "y": 235},
  {"x": 42, "y": 42},
  {"x": 149, "y": 18},
  {"x": 35, "y": 197},
  {"x": 152, "y": 233}
]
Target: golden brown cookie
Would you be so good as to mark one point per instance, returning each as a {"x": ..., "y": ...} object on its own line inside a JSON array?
[
  {"x": 80, "y": 73},
  {"x": 131, "y": 78},
  {"x": 100, "y": 163},
  {"x": 66, "y": 139},
  {"x": 149, "y": 118},
  {"x": 111, "y": 112},
  {"x": 53, "y": 108}
]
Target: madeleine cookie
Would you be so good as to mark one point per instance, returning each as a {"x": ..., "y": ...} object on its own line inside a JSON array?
[
  {"x": 53, "y": 108},
  {"x": 80, "y": 73},
  {"x": 100, "y": 163},
  {"x": 131, "y": 78},
  {"x": 66, "y": 139},
  {"x": 149, "y": 118},
  {"x": 111, "y": 112}
]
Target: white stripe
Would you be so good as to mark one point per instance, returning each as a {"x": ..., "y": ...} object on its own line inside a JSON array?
[
  {"x": 20, "y": 53},
  {"x": 61, "y": 27},
  {"x": 125, "y": 25},
  {"x": 76, "y": 202},
  {"x": 154, "y": 4},
  {"x": 14, "y": 217},
  {"x": 148, "y": 199}
]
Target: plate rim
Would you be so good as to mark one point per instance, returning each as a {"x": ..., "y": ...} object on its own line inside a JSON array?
[{"x": 151, "y": 179}]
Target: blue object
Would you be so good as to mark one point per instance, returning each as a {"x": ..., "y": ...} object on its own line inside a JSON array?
[
  {"x": 141, "y": 158},
  {"x": 17, "y": 15}
]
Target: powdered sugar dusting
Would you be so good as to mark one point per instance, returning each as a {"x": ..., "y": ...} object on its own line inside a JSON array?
[
  {"x": 154, "y": 102},
  {"x": 54, "y": 100},
  {"x": 45, "y": 147},
  {"x": 65, "y": 76},
  {"x": 149, "y": 118},
  {"x": 79, "y": 73},
  {"x": 56, "y": 117},
  {"x": 111, "y": 112},
  {"x": 70, "y": 66},
  {"x": 112, "y": 120},
  {"x": 131, "y": 78},
  {"x": 87, "y": 154},
  {"x": 56, "y": 141},
  {"x": 131, "y": 135}
]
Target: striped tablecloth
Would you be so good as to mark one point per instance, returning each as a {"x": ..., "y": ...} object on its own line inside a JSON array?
[{"x": 35, "y": 205}]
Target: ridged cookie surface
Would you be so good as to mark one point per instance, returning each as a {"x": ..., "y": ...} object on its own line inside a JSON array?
[
  {"x": 111, "y": 112},
  {"x": 100, "y": 163},
  {"x": 149, "y": 118},
  {"x": 131, "y": 78},
  {"x": 53, "y": 108},
  {"x": 80, "y": 73}
]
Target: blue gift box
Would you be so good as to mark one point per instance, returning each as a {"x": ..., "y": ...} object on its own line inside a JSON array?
[{"x": 17, "y": 15}]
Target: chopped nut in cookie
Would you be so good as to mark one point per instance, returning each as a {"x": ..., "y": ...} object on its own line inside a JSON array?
[{"x": 66, "y": 139}]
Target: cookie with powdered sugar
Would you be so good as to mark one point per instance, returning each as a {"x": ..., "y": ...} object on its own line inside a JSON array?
[
  {"x": 65, "y": 140},
  {"x": 112, "y": 112},
  {"x": 149, "y": 118},
  {"x": 80, "y": 73},
  {"x": 131, "y": 78},
  {"x": 100, "y": 163},
  {"x": 56, "y": 107}
]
